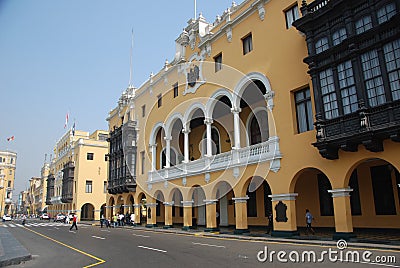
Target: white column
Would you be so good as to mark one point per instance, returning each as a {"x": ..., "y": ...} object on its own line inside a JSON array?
[
  {"x": 208, "y": 122},
  {"x": 186, "y": 144},
  {"x": 236, "y": 126},
  {"x": 153, "y": 149},
  {"x": 167, "y": 152}
]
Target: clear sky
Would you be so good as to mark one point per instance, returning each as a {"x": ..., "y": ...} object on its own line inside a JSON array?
[{"x": 71, "y": 55}]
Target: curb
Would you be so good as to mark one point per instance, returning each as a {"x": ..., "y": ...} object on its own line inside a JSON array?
[
  {"x": 264, "y": 239},
  {"x": 12, "y": 251}
]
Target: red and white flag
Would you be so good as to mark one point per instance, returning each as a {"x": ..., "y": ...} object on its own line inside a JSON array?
[
  {"x": 11, "y": 138},
  {"x": 66, "y": 120}
]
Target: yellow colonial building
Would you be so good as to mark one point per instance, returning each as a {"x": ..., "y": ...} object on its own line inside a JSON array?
[
  {"x": 224, "y": 134},
  {"x": 77, "y": 177},
  {"x": 35, "y": 196},
  {"x": 7, "y": 176}
]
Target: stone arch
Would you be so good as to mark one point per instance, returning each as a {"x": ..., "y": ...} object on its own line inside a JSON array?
[
  {"x": 245, "y": 81},
  {"x": 190, "y": 111},
  {"x": 300, "y": 172},
  {"x": 170, "y": 123},
  {"x": 221, "y": 188},
  {"x": 354, "y": 165},
  {"x": 250, "y": 118},
  {"x": 210, "y": 105},
  {"x": 87, "y": 212},
  {"x": 174, "y": 195},
  {"x": 159, "y": 199},
  {"x": 198, "y": 195},
  {"x": 154, "y": 131},
  {"x": 312, "y": 187}
]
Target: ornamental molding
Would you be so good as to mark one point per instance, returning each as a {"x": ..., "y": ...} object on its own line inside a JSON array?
[
  {"x": 241, "y": 199},
  {"x": 283, "y": 197},
  {"x": 193, "y": 72},
  {"x": 188, "y": 203},
  {"x": 168, "y": 204},
  {"x": 210, "y": 202},
  {"x": 340, "y": 192}
]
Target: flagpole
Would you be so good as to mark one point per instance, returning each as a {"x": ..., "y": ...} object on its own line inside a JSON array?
[
  {"x": 195, "y": 9},
  {"x": 130, "y": 61}
]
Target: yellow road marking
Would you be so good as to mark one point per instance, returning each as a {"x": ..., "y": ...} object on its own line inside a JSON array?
[
  {"x": 277, "y": 242},
  {"x": 100, "y": 261}
]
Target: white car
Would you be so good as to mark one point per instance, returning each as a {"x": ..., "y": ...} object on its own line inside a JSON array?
[
  {"x": 59, "y": 218},
  {"x": 6, "y": 218},
  {"x": 44, "y": 216}
]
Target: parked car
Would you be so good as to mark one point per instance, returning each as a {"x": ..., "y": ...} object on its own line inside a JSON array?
[
  {"x": 45, "y": 216},
  {"x": 6, "y": 217},
  {"x": 59, "y": 218}
]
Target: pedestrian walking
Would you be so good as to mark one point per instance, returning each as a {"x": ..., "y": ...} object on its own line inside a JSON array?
[
  {"x": 102, "y": 220},
  {"x": 74, "y": 220},
  {"x": 127, "y": 219},
  {"x": 133, "y": 219},
  {"x": 115, "y": 220},
  {"x": 121, "y": 219},
  {"x": 309, "y": 219}
]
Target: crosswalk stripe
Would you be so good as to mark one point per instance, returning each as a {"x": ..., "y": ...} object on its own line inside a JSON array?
[{"x": 32, "y": 224}]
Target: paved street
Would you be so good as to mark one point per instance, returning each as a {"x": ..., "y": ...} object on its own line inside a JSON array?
[{"x": 53, "y": 245}]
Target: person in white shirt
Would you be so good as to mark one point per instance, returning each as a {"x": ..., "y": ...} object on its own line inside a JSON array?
[{"x": 133, "y": 219}]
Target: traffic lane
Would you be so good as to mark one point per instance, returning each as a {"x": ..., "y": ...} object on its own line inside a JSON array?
[
  {"x": 47, "y": 253},
  {"x": 244, "y": 253},
  {"x": 123, "y": 247}
]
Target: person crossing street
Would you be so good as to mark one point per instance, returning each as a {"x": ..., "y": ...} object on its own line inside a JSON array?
[{"x": 74, "y": 220}]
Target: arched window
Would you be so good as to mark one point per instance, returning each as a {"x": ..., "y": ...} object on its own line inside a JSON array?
[
  {"x": 173, "y": 158},
  {"x": 215, "y": 141},
  {"x": 258, "y": 127}
]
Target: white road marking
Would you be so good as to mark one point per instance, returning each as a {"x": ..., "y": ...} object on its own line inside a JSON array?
[
  {"x": 159, "y": 250},
  {"x": 19, "y": 225},
  {"x": 98, "y": 237},
  {"x": 208, "y": 245},
  {"x": 106, "y": 231},
  {"x": 140, "y": 235},
  {"x": 12, "y": 225},
  {"x": 56, "y": 228},
  {"x": 72, "y": 231},
  {"x": 5, "y": 225}
]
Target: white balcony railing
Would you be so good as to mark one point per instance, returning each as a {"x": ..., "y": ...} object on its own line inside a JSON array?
[{"x": 262, "y": 152}]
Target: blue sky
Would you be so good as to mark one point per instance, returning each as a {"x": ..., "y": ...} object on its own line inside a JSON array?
[{"x": 59, "y": 56}]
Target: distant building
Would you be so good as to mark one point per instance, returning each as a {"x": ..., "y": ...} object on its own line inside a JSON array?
[
  {"x": 7, "y": 176},
  {"x": 77, "y": 176},
  {"x": 22, "y": 205},
  {"x": 34, "y": 204}
]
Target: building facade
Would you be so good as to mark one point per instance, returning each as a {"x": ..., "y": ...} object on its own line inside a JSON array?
[
  {"x": 22, "y": 206},
  {"x": 224, "y": 134},
  {"x": 7, "y": 176},
  {"x": 77, "y": 177},
  {"x": 35, "y": 192}
]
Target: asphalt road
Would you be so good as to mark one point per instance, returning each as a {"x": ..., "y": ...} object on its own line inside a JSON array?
[{"x": 53, "y": 245}]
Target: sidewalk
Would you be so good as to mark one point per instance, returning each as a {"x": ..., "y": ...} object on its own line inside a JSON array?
[
  {"x": 364, "y": 241},
  {"x": 11, "y": 251}
]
